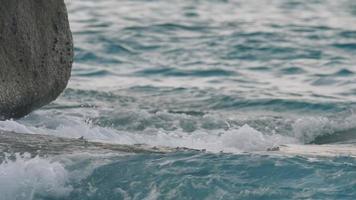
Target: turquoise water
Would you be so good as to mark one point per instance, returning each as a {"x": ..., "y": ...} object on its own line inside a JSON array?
[{"x": 233, "y": 77}]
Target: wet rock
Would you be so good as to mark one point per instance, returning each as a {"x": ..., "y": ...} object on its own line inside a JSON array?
[
  {"x": 36, "y": 54},
  {"x": 47, "y": 145}
]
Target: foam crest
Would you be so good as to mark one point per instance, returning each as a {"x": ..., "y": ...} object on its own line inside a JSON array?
[
  {"x": 13, "y": 126},
  {"x": 236, "y": 139},
  {"x": 241, "y": 139},
  {"x": 249, "y": 139},
  {"x": 308, "y": 128},
  {"x": 29, "y": 178}
]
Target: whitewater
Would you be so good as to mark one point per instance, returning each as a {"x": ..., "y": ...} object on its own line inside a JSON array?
[{"x": 230, "y": 78}]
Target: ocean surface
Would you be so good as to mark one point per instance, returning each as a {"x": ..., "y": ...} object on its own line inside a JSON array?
[{"x": 232, "y": 77}]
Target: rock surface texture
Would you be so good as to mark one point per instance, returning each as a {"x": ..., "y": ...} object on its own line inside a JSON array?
[
  {"x": 36, "y": 54},
  {"x": 46, "y": 145}
]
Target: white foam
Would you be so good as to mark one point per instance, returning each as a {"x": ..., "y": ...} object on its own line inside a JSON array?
[
  {"x": 306, "y": 129},
  {"x": 249, "y": 139},
  {"x": 10, "y": 125},
  {"x": 244, "y": 139},
  {"x": 241, "y": 139},
  {"x": 26, "y": 177},
  {"x": 235, "y": 139}
]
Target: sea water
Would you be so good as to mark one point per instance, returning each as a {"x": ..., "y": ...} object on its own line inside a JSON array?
[{"x": 232, "y": 77}]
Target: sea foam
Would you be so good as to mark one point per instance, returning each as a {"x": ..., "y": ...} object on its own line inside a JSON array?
[
  {"x": 245, "y": 138},
  {"x": 237, "y": 140},
  {"x": 28, "y": 178}
]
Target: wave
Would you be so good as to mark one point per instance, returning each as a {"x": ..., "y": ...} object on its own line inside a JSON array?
[
  {"x": 243, "y": 139},
  {"x": 324, "y": 130},
  {"x": 30, "y": 178},
  {"x": 249, "y": 136},
  {"x": 184, "y": 73},
  {"x": 166, "y": 27},
  {"x": 347, "y": 136}
]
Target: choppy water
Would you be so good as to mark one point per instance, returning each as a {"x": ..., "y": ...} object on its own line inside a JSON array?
[{"x": 222, "y": 75}]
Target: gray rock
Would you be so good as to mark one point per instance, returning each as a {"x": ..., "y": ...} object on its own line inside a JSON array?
[
  {"x": 36, "y": 54},
  {"x": 47, "y": 145}
]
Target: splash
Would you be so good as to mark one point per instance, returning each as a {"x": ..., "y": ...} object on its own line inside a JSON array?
[
  {"x": 241, "y": 139},
  {"x": 236, "y": 139},
  {"x": 28, "y": 178}
]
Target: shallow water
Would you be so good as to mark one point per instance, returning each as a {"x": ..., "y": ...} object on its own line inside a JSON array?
[{"x": 222, "y": 75}]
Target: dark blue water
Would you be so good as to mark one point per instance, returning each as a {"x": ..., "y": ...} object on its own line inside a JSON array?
[{"x": 234, "y": 76}]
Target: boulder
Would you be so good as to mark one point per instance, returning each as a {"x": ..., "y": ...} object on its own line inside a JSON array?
[{"x": 36, "y": 54}]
